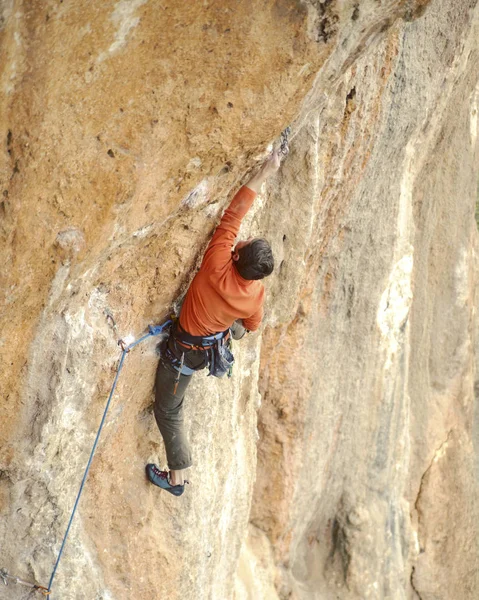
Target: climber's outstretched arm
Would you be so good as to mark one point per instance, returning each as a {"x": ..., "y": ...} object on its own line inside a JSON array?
[
  {"x": 219, "y": 249},
  {"x": 269, "y": 168}
]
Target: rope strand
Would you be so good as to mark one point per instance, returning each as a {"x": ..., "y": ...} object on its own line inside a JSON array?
[
  {"x": 120, "y": 366},
  {"x": 153, "y": 330}
]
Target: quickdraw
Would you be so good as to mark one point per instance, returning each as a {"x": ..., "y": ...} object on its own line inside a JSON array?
[
  {"x": 284, "y": 148},
  {"x": 34, "y": 586},
  {"x": 111, "y": 321}
]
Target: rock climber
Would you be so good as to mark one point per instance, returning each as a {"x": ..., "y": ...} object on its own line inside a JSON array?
[{"x": 225, "y": 293}]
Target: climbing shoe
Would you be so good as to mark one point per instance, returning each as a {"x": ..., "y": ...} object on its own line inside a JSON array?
[{"x": 160, "y": 478}]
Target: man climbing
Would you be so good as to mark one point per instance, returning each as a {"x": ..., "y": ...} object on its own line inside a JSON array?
[{"x": 225, "y": 290}]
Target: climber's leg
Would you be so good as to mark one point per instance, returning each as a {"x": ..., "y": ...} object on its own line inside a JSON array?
[{"x": 169, "y": 416}]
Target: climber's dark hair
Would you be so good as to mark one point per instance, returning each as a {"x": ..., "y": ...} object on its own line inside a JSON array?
[{"x": 255, "y": 260}]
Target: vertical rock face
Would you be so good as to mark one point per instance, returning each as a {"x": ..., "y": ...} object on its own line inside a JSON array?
[
  {"x": 368, "y": 367},
  {"x": 339, "y": 461}
]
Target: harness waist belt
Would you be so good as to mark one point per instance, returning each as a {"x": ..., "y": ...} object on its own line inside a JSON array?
[{"x": 204, "y": 342}]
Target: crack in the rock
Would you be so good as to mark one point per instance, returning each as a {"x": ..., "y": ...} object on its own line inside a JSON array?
[
  {"x": 416, "y": 504},
  {"x": 418, "y": 497},
  {"x": 416, "y": 591}
]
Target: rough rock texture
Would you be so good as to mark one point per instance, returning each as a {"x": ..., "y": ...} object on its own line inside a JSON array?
[{"x": 127, "y": 125}]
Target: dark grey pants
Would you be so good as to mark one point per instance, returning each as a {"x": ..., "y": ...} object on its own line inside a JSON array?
[{"x": 169, "y": 404}]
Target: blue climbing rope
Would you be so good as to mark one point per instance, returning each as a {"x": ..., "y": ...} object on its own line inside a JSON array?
[{"x": 153, "y": 330}]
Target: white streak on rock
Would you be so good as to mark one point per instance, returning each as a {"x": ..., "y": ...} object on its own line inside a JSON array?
[
  {"x": 395, "y": 305},
  {"x": 212, "y": 211},
  {"x": 11, "y": 70},
  {"x": 474, "y": 110},
  {"x": 197, "y": 196},
  {"x": 142, "y": 232},
  {"x": 461, "y": 278},
  {"x": 405, "y": 200},
  {"x": 304, "y": 69},
  {"x": 71, "y": 239},
  {"x": 195, "y": 163},
  {"x": 124, "y": 17},
  {"x": 129, "y": 339}
]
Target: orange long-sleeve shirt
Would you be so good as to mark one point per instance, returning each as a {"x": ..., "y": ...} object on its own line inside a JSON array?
[{"x": 218, "y": 295}]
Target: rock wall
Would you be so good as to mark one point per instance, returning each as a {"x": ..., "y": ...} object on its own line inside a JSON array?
[
  {"x": 368, "y": 373},
  {"x": 339, "y": 462}
]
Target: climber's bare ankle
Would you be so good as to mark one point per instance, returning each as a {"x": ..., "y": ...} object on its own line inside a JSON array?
[{"x": 176, "y": 477}]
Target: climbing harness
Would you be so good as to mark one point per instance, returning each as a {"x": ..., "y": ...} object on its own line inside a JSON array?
[
  {"x": 217, "y": 352},
  {"x": 33, "y": 586},
  {"x": 125, "y": 347}
]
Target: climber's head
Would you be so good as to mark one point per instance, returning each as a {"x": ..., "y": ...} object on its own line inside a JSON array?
[{"x": 253, "y": 258}]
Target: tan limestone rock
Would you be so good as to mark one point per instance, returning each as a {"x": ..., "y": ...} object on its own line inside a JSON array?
[{"x": 127, "y": 126}]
